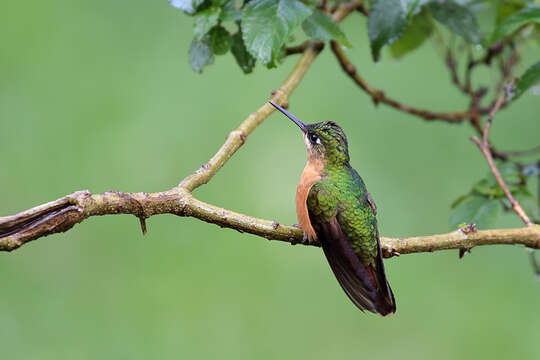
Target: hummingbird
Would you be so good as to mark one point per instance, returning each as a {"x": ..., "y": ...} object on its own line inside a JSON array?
[{"x": 334, "y": 208}]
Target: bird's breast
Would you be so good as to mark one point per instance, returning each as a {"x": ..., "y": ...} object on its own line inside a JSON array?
[{"x": 312, "y": 172}]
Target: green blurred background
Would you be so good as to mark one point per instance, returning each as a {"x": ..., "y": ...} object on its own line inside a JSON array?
[{"x": 99, "y": 95}]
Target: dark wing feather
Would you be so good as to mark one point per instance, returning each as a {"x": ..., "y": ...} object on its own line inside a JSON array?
[
  {"x": 387, "y": 301},
  {"x": 366, "y": 286},
  {"x": 350, "y": 273}
]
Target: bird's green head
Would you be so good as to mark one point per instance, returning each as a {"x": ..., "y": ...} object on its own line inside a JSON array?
[{"x": 324, "y": 140}]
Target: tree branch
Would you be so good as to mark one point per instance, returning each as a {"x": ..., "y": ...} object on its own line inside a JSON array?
[
  {"x": 238, "y": 136},
  {"x": 485, "y": 149},
  {"x": 492, "y": 52},
  {"x": 62, "y": 214},
  {"x": 516, "y": 153},
  {"x": 379, "y": 97}
]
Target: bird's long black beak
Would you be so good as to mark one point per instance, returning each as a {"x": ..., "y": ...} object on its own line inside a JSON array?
[{"x": 300, "y": 124}]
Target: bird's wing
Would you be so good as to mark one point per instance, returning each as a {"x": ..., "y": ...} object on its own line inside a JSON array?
[{"x": 356, "y": 263}]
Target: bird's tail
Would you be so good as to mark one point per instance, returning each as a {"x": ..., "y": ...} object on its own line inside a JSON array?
[{"x": 365, "y": 285}]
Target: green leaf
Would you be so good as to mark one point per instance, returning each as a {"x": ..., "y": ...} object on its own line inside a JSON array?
[
  {"x": 206, "y": 20},
  {"x": 242, "y": 56},
  {"x": 505, "y": 8},
  {"x": 530, "y": 78},
  {"x": 200, "y": 54},
  {"x": 529, "y": 205},
  {"x": 220, "y": 40},
  {"x": 413, "y": 7},
  {"x": 187, "y": 6},
  {"x": 416, "y": 33},
  {"x": 478, "y": 210},
  {"x": 230, "y": 13},
  {"x": 513, "y": 22},
  {"x": 267, "y": 24},
  {"x": 238, "y": 4},
  {"x": 488, "y": 188},
  {"x": 531, "y": 170},
  {"x": 459, "y": 200},
  {"x": 320, "y": 26},
  {"x": 458, "y": 18},
  {"x": 510, "y": 173},
  {"x": 387, "y": 20}
]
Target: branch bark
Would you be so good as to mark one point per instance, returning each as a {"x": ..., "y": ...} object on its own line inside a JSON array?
[{"x": 62, "y": 214}]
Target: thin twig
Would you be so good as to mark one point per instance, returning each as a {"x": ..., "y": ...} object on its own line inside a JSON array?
[
  {"x": 492, "y": 52},
  {"x": 298, "y": 49},
  {"x": 517, "y": 153},
  {"x": 485, "y": 149},
  {"x": 451, "y": 63},
  {"x": 475, "y": 110},
  {"x": 380, "y": 97}
]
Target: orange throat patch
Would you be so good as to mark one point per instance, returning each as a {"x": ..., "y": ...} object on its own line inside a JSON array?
[{"x": 312, "y": 172}]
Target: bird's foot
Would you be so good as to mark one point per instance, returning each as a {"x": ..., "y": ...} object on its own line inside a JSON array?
[
  {"x": 390, "y": 252},
  {"x": 305, "y": 239}
]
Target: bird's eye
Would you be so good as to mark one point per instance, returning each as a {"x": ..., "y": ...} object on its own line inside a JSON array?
[{"x": 313, "y": 138}]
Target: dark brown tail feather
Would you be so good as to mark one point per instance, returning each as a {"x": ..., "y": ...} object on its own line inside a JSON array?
[
  {"x": 387, "y": 303},
  {"x": 355, "y": 278}
]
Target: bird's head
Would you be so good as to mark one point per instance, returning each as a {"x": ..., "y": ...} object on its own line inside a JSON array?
[{"x": 324, "y": 140}]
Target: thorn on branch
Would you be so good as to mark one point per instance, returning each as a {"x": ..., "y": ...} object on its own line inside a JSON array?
[
  {"x": 463, "y": 251},
  {"x": 143, "y": 225},
  {"x": 535, "y": 264}
]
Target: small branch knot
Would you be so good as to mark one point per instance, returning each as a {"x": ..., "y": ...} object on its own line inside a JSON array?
[
  {"x": 350, "y": 69},
  {"x": 468, "y": 229}
]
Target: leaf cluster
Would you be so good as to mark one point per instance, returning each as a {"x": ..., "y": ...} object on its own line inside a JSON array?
[
  {"x": 404, "y": 25},
  {"x": 259, "y": 30},
  {"x": 486, "y": 200},
  {"x": 254, "y": 30}
]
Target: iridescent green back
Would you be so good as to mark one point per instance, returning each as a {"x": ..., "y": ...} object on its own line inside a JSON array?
[{"x": 342, "y": 193}]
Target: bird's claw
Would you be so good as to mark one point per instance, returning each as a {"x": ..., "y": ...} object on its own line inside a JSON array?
[
  {"x": 390, "y": 252},
  {"x": 305, "y": 239}
]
